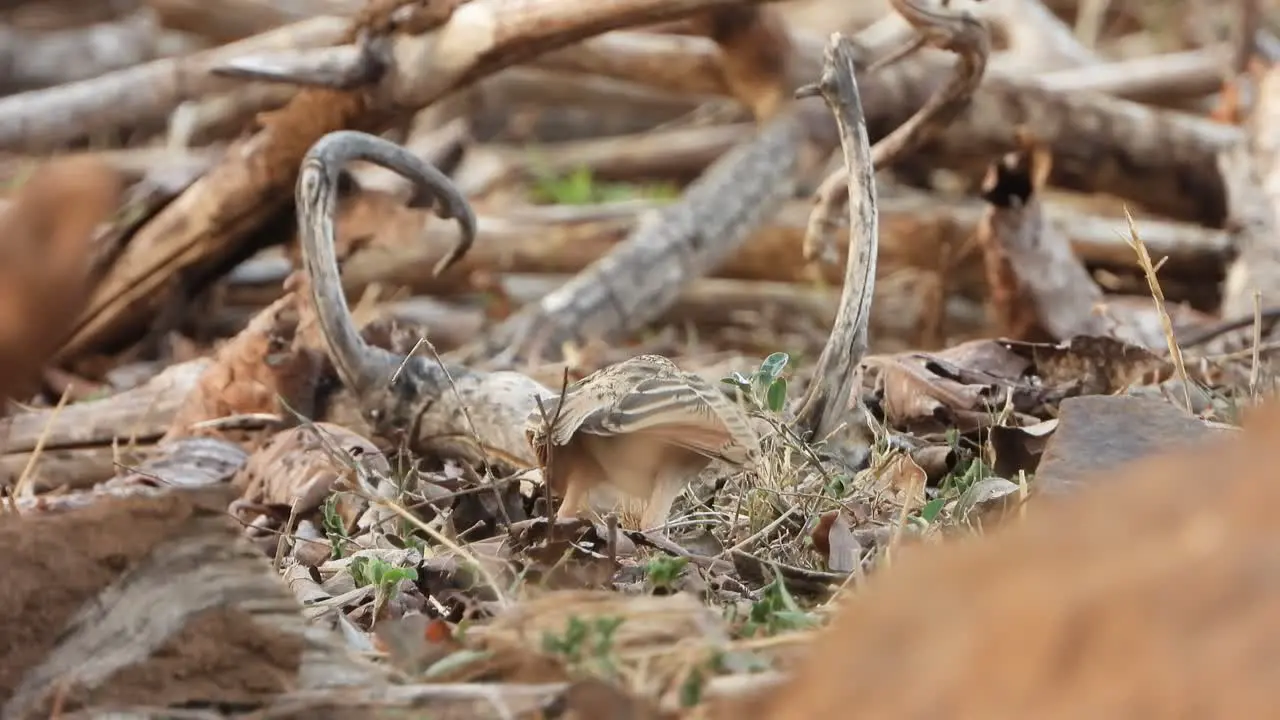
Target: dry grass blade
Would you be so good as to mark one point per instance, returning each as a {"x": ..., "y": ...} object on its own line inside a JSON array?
[
  {"x": 958, "y": 32},
  {"x": 1157, "y": 294}
]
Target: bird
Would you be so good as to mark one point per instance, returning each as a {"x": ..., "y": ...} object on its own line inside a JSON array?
[{"x": 643, "y": 427}]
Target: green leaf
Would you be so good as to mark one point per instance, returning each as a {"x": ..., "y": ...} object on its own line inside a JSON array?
[
  {"x": 778, "y": 395},
  {"x": 773, "y": 366},
  {"x": 737, "y": 380},
  {"x": 663, "y": 570},
  {"x": 931, "y": 509},
  {"x": 691, "y": 688},
  {"x": 393, "y": 575},
  {"x": 359, "y": 569}
]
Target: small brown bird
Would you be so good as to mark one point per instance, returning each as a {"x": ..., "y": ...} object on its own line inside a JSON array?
[{"x": 642, "y": 426}]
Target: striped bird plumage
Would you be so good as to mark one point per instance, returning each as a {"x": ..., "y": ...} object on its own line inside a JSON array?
[
  {"x": 643, "y": 426},
  {"x": 649, "y": 394}
]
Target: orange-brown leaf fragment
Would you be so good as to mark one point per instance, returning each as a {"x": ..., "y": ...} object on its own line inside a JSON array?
[{"x": 252, "y": 373}]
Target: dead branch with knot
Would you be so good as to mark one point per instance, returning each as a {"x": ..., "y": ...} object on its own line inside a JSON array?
[{"x": 415, "y": 401}]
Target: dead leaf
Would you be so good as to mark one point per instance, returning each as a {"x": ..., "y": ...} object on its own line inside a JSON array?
[
  {"x": 251, "y": 373},
  {"x": 902, "y": 477},
  {"x": 989, "y": 498},
  {"x": 833, "y": 538},
  {"x": 1019, "y": 448},
  {"x": 1092, "y": 365},
  {"x": 930, "y": 392}
]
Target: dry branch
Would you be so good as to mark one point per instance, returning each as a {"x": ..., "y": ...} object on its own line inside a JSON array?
[
  {"x": 231, "y": 20},
  {"x": 212, "y": 220},
  {"x": 1038, "y": 40},
  {"x": 959, "y": 33},
  {"x": 1039, "y": 290},
  {"x": 138, "y": 96},
  {"x": 37, "y": 59},
  {"x": 915, "y": 231},
  {"x": 1161, "y": 159},
  {"x": 358, "y": 366},
  {"x": 1251, "y": 170},
  {"x": 831, "y": 392},
  {"x": 413, "y": 400},
  {"x": 642, "y": 276}
]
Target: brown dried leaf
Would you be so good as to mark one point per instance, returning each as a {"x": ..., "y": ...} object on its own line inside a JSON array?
[
  {"x": 1092, "y": 365},
  {"x": 252, "y": 373},
  {"x": 575, "y": 557},
  {"x": 1019, "y": 448},
  {"x": 917, "y": 396},
  {"x": 833, "y": 538},
  {"x": 904, "y": 478}
]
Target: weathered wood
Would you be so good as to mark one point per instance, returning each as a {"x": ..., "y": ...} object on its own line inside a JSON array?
[
  {"x": 414, "y": 400},
  {"x": 151, "y": 600},
  {"x": 640, "y": 278},
  {"x": 831, "y": 392}
]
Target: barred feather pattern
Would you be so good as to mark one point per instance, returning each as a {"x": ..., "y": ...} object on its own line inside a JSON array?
[
  {"x": 649, "y": 394},
  {"x": 642, "y": 426}
]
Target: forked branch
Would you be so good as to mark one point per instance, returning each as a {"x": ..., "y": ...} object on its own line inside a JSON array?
[
  {"x": 415, "y": 403},
  {"x": 836, "y": 376},
  {"x": 363, "y": 369},
  {"x": 957, "y": 32}
]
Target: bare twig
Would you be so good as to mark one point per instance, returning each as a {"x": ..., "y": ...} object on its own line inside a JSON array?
[
  {"x": 958, "y": 32},
  {"x": 834, "y": 379}
]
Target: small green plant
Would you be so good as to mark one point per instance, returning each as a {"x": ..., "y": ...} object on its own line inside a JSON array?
[
  {"x": 965, "y": 474},
  {"x": 334, "y": 528},
  {"x": 662, "y": 571},
  {"x": 580, "y": 187},
  {"x": 586, "y": 645},
  {"x": 765, "y": 388},
  {"x": 691, "y": 688},
  {"x": 776, "y": 611},
  {"x": 379, "y": 573},
  {"x": 382, "y": 575}
]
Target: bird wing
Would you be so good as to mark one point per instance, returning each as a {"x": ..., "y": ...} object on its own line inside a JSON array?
[
  {"x": 683, "y": 410},
  {"x": 650, "y": 395}
]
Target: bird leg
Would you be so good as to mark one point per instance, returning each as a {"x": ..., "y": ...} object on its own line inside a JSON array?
[
  {"x": 575, "y": 499},
  {"x": 667, "y": 486}
]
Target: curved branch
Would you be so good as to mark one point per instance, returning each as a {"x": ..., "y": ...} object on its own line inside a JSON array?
[
  {"x": 835, "y": 379},
  {"x": 957, "y": 32},
  {"x": 361, "y": 367}
]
